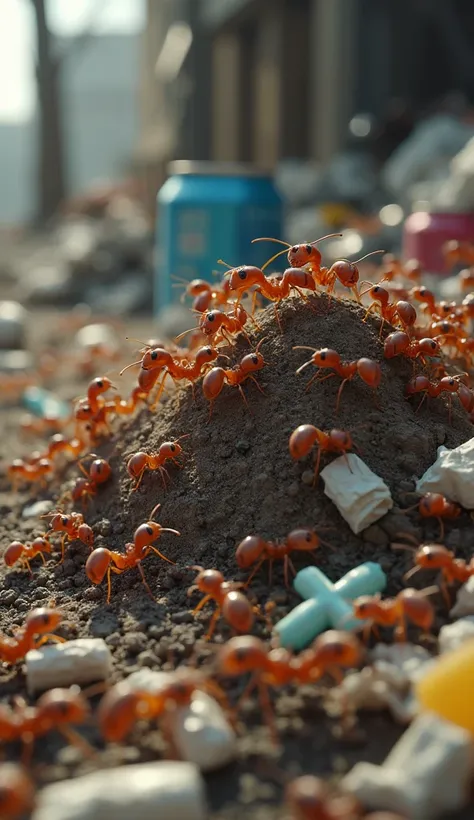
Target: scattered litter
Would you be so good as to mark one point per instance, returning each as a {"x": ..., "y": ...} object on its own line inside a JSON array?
[
  {"x": 464, "y": 600},
  {"x": 359, "y": 494},
  {"x": 326, "y": 605},
  {"x": 373, "y": 688},
  {"x": 452, "y": 475},
  {"x": 200, "y": 731},
  {"x": 37, "y": 509},
  {"x": 408, "y": 659},
  {"x": 63, "y": 664},
  {"x": 426, "y": 774},
  {"x": 165, "y": 790},
  {"x": 42, "y": 403},
  {"x": 447, "y": 687},
  {"x": 13, "y": 321},
  {"x": 453, "y": 635}
]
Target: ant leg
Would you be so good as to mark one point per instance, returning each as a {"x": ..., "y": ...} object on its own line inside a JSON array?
[
  {"x": 139, "y": 480},
  {"x": 145, "y": 583},
  {"x": 277, "y": 317},
  {"x": 42, "y": 558},
  {"x": 247, "y": 691},
  {"x": 316, "y": 467},
  {"x": 63, "y": 539},
  {"x": 161, "y": 388},
  {"x": 445, "y": 593},
  {"x": 270, "y": 572},
  {"x": 254, "y": 571},
  {"x": 211, "y": 407},
  {"x": 212, "y": 624},
  {"x": 29, "y": 566},
  {"x": 441, "y": 528},
  {"x": 202, "y": 603},
  {"x": 154, "y": 549},
  {"x": 339, "y": 393},
  {"x": 267, "y": 709},
  {"x": 257, "y": 384},
  {"x": 27, "y": 752},
  {"x": 355, "y": 293},
  {"x": 44, "y": 638},
  {"x": 75, "y": 739},
  {"x": 245, "y": 400}
]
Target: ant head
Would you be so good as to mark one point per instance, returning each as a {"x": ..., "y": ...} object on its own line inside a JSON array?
[
  {"x": 300, "y": 255},
  {"x": 197, "y": 286},
  {"x": 326, "y": 357},
  {"x": 170, "y": 449},
  {"x": 42, "y": 620},
  {"x": 101, "y": 383},
  {"x": 209, "y": 581},
  {"x": 85, "y": 534},
  {"x": 155, "y": 358},
  {"x": 432, "y": 504},
  {"x": 41, "y": 543},
  {"x": 62, "y": 706},
  {"x": 303, "y": 539},
  {"x": 211, "y": 322},
  {"x": 252, "y": 362},
  {"x": 363, "y": 606},
  {"x": 429, "y": 346},
  {"x": 206, "y": 354},
  {"x": 244, "y": 277},
  {"x": 449, "y": 384},
  {"x": 241, "y": 655},
  {"x": 100, "y": 470},
  {"x": 413, "y": 269},
  {"x": 339, "y": 648}
]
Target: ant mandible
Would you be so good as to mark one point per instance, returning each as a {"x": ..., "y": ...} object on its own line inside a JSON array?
[
  {"x": 139, "y": 462},
  {"x": 231, "y": 603},
  {"x": 215, "y": 378},
  {"x": 38, "y": 622},
  {"x": 303, "y": 439},
  {"x": 326, "y": 358},
  {"x": 102, "y": 561},
  {"x": 17, "y": 552},
  {"x": 255, "y": 550}
]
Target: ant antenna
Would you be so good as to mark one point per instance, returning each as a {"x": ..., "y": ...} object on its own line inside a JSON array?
[
  {"x": 357, "y": 261},
  {"x": 304, "y": 347},
  {"x": 226, "y": 264},
  {"x": 133, "y": 364},
  {"x": 260, "y": 342},
  {"x": 140, "y": 341},
  {"x": 189, "y": 330},
  {"x": 154, "y": 510}
]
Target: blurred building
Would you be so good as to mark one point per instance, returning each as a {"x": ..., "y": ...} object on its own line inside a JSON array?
[
  {"x": 100, "y": 115},
  {"x": 264, "y": 80}
]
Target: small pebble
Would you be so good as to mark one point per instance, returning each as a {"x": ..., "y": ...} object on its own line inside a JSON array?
[
  {"x": 103, "y": 527},
  {"x": 307, "y": 477},
  {"x": 8, "y": 597},
  {"x": 69, "y": 567},
  {"x": 40, "y": 592},
  {"x": 114, "y": 639},
  {"x": 242, "y": 446},
  {"x": 37, "y": 509},
  {"x": 101, "y": 627},
  {"x": 156, "y": 631},
  {"x": 407, "y": 485},
  {"x": 182, "y": 617},
  {"x": 293, "y": 490},
  {"x": 375, "y": 535},
  {"x": 92, "y": 594},
  {"x": 147, "y": 658},
  {"x": 135, "y": 642}
]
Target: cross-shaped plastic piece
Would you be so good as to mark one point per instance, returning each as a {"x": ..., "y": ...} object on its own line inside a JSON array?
[{"x": 327, "y": 605}]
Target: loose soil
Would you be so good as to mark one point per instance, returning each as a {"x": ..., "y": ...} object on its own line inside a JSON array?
[{"x": 238, "y": 479}]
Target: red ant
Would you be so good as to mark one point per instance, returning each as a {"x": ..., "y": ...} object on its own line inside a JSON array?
[
  {"x": 16, "y": 552},
  {"x": 95, "y": 389},
  {"x": 427, "y": 297},
  {"x": 204, "y": 294},
  {"x": 435, "y": 505},
  {"x": 303, "y": 439},
  {"x": 298, "y": 255},
  {"x": 457, "y": 253},
  {"x": 344, "y": 272},
  {"x": 123, "y": 705},
  {"x": 308, "y": 798},
  {"x": 231, "y": 604},
  {"x": 448, "y": 384},
  {"x": 400, "y": 311},
  {"x": 73, "y": 526},
  {"x": 368, "y": 370},
  {"x": 85, "y": 487},
  {"x": 400, "y": 344},
  {"x": 59, "y": 444},
  {"x": 38, "y": 622},
  {"x": 437, "y": 557},
  {"x": 326, "y": 655},
  {"x": 254, "y": 549},
  {"x": 215, "y": 378},
  {"x": 139, "y": 462},
  {"x": 102, "y": 562},
  {"x": 16, "y": 791},
  {"x": 216, "y": 325},
  {"x": 410, "y": 604},
  {"x": 21, "y": 471},
  {"x": 56, "y": 709}
]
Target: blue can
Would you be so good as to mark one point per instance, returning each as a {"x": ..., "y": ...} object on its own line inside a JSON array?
[{"x": 209, "y": 211}]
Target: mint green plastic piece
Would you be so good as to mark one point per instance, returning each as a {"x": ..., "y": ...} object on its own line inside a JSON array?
[{"x": 327, "y": 605}]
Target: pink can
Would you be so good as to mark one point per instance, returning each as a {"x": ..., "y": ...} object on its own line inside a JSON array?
[{"x": 425, "y": 234}]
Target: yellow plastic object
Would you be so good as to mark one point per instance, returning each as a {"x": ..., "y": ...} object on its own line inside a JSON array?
[{"x": 447, "y": 687}]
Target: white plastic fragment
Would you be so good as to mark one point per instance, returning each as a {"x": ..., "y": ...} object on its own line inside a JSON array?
[
  {"x": 200, "y": 731},
  {"x": 372, "y": 689},
  {"x": 426, "y": 775},
  {"x": 452, "y": 475},
  {"x": 464, "y": 600},
  {"x": 453, "y": 635},
  {"x": 359, "y": 494},
  {"x": 62, "y": 664},
  {"x": 150, "y": 791},
  {"x": 408, "y": 660}
]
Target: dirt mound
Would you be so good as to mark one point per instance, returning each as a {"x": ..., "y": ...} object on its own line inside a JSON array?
[{"x": 238, "y": 479}]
